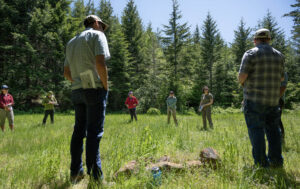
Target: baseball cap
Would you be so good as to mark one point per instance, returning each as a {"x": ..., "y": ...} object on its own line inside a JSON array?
[
  {"x": 262, "y": 34},
  {"x": 93, "y": 18},
  {"x": 4, "y": 87},
  {"x": 171, "y": 92}
]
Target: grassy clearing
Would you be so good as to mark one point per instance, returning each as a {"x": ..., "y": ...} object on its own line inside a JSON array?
[{"x": 38, "y": 157}]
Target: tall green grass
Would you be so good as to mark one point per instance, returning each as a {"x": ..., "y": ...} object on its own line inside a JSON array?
[{"x": 36, "y": 156}]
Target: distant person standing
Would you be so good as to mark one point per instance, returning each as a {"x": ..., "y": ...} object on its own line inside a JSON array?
[
  {"x": 6, "y": 109},
  {"x": 283, "y": 86},
  {"x": 171, "y": 107},
  {"x": 260, "y": 74},
  {"x": 207, "y": 100},
  {"x": 49, "y": 102},
  {"x": 131, "y": 103},
  {"x": 85, "y": 66}
]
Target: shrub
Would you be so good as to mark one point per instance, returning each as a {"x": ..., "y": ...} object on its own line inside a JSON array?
[{"x": 153, "y": 111}]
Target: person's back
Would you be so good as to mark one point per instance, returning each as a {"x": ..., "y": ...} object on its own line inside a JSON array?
[
  {"x": 261, "y": 72},
  {"x": 81, "y": 51},
  {"x": 265, "y": 70}
]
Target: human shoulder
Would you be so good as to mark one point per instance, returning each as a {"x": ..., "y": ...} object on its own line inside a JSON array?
[{"x": 210, "y": 95}]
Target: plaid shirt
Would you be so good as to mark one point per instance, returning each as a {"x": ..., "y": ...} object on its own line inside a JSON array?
[{"x": 265, "y": 68}]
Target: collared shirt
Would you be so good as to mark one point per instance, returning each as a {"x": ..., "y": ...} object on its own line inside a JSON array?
[
  {"x": 81, "y": 55},
  {"x": 265, "y": 68},
  {"x": 171, "y": 102},
  {"x": 5, "y": 100}
]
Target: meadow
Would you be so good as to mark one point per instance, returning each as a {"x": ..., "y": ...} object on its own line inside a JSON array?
[{"x": 36, "y": 156}]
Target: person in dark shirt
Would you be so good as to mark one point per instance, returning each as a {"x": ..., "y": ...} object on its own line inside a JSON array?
[{"x": 207, "y": 100}]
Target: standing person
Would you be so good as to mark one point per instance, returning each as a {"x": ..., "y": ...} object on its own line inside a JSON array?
[
  {"x": 85, "y": 67},
  {"x": 6, "y": 110},
  {"x": 281, "y": 104},
  {"x": 171, "y": 107},
  {"x": 48, "y": 104},
  {"x": 207, "y": 100},
  {"x": 260, "y": 74},
  {"x": 131, "y": 103}
]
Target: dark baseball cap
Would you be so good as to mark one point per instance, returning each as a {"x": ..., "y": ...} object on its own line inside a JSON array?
[{"x": 4, "y": 87}]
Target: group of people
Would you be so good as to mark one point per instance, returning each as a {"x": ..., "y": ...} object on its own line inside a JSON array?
[{"x": 261, "y": 73}]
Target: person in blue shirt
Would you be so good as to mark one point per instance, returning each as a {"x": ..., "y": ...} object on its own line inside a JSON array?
[{"x": 171, "y": 105}]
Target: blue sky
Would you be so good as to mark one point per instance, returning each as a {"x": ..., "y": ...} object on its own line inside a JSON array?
[{"x": 227, "y": 13}]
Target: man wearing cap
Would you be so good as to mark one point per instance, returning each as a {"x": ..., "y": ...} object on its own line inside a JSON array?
[
  {"x": 85, "y": 67},
  {"x": 171, "y": 107},
  {"x": 260, "y": 74},
  {"x": 6, "y": 110}
]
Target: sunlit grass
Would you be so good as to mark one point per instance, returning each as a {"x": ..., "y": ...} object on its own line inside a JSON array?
[{"x": 35, "y": 156}]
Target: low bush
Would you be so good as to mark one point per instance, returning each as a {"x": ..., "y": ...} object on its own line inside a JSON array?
[{"x": 153, "y": 111}]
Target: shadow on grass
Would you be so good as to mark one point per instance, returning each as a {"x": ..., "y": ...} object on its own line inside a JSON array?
[{"x": 271, "y": 176}]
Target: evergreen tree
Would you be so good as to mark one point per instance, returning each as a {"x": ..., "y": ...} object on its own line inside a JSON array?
[
  {"x": 196, "y": 36},
  {"x": 293, "y": 57},
  {"x": 118, "y": 68},
  {"x": 105, "y": 12},
  {"x": 152, "y": 94},
  {"x": 78, "y": 14},
  {"x": 210, "y": 44},
  {"x": 175, "y": 38},
  {"x": 241, "y": 43},
  {"x": 277, "y": 34},
  {"x": 133, "y": 30}
]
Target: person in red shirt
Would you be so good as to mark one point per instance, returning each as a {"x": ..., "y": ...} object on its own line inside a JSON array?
[
  {"x": 131, "y": 103},
  {"x": 6, "y": 110}
]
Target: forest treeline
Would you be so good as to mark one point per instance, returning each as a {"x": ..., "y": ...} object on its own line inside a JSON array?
[{"x": 148, "y": 61}]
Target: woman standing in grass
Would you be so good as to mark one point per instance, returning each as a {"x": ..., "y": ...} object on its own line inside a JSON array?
[
  {"x": 131, "y": 103},
  {"x": 6, "y": 110},
  {"x": 48, "y": 104},
  {"x": 205, "y": 107}
]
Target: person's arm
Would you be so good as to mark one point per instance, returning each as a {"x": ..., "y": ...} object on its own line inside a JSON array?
[
  {"x": 282, "y": 90},
  {"x": 67, "y": 73},
  {"x": 210, "y": 103},
  {"x": 2, "y": 104},
  {"x": 242, "y": 78},
  {"x": 102, "y": 70},
  {"x": 245, "y": 68},
  {"x": 135, "y": 102}
]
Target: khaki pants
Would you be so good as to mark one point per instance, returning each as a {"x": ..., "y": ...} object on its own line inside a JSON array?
[
  {"x": 173, "y": 112},
  {"x": 6, "y": 114},
  {"x": 206, "y": 113}
]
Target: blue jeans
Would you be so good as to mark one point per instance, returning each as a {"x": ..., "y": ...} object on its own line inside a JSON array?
[
  {"x": 261, "y": 120},
  {"x": 90, "y": 105}
]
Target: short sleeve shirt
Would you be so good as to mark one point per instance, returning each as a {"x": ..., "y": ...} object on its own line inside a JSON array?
[
  {"x": 81, "y": 55},
  {"x": 265, "y": 68},
  {"x": 205, "y": 99}
]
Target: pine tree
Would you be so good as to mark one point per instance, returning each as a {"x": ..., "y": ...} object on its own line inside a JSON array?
[
  {"x": 133, "y": 30},
  {"x": 196, "y": 36},
  {"x": 175, "y": 38},
  {"x": 118, "y": 68},
  {"x": 293, "y": 57},
  {"x": 277, "y": 34},
  {"x": 210, "y": 44},
  {"x": 241, "y": 43},
  {"x": 105, "y": 12}
]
